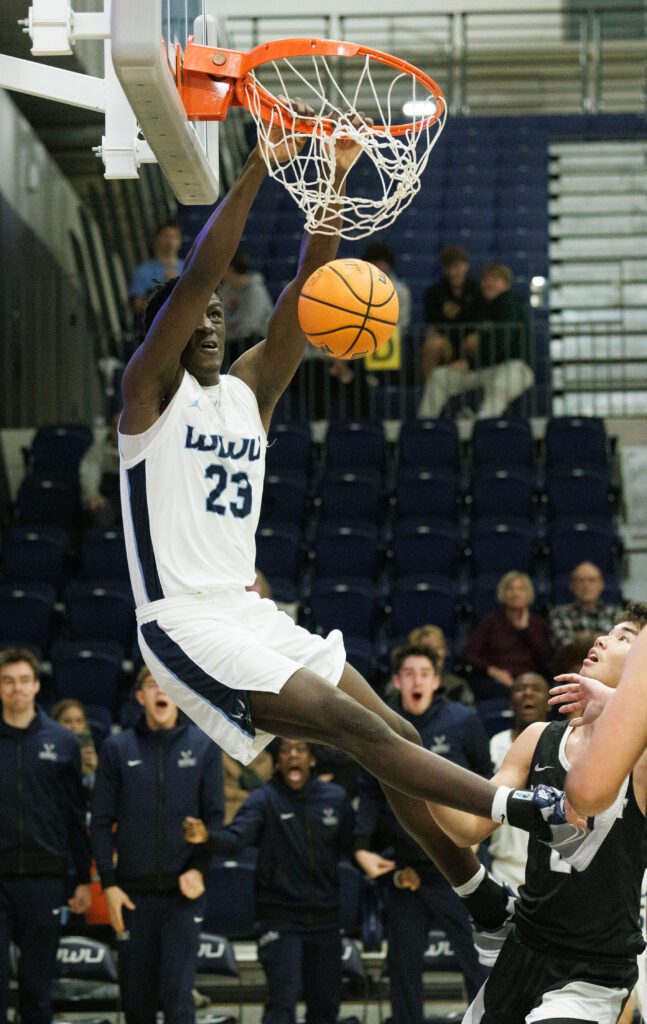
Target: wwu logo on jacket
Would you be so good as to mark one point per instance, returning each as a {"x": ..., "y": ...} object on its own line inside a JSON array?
[{"x": 186, "y": 759}]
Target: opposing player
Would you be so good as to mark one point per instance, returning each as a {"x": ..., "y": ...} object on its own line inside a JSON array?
[
  {"x": 576, "y": 933},
  {"x": 192, "y": 444},
  {"x": 592, "y": 783}
]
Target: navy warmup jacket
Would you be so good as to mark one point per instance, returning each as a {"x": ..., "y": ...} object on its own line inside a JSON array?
[{"x": 147, "y": 782}]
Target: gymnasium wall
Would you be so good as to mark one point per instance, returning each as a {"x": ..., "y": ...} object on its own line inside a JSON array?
[{"x": 47, "y": 362}]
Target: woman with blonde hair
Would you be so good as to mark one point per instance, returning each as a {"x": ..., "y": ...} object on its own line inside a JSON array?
[{"x": 508, "y": 641}]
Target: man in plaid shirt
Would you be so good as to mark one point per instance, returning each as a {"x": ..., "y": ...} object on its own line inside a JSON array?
[{"x": 587, "y": 613}]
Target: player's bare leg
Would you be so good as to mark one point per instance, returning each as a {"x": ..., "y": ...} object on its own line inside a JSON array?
[
  {"x": 311, "y": 708},
  {"x": 457, "y": 865}
]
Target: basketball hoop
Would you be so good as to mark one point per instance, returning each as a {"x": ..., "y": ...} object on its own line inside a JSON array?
[{"x": 337, "y": 80}]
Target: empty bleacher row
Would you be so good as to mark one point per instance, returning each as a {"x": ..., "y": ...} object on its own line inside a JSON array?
[{"x": 368, "y": 536}]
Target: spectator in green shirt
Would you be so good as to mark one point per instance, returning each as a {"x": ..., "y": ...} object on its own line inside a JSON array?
[{"x": 494, "y": 357}]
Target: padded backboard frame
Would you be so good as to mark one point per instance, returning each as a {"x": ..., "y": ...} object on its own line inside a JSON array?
[{"x": 145, "y": 76}]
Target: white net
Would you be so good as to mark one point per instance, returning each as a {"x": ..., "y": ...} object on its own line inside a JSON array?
[{"x": 387, "y": 175}]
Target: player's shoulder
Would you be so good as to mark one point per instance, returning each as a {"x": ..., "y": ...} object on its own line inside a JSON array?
[{"x": 524, "y": 746}]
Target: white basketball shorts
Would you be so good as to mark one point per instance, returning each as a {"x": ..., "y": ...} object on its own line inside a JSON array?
[{"x": 207, "y": 651}]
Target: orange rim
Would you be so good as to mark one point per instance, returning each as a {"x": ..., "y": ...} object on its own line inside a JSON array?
[{"x": 235, "y": 68}]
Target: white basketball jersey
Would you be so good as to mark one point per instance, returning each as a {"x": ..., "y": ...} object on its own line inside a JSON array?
[{"x": 191, "y": 490}]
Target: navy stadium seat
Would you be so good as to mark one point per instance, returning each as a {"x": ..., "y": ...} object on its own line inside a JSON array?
[
  {"x": 500, "y": 546},
  {"x": 502, "y": 443},
  {"x": 430, "y": 444},
  {"x": 89, "y": 672},
  {"x": 289, "y": 447},
  {"x": 355, "y": 446},
  {"x": 415, "y": 601},
  {"x": 57, "y": 451},
  {"x": 395, "y": 402},
  {"x": 579, "y": 491},
  {"x": 360, "y": 654},
  {"x": 356, "y": 496},
  {"x": 278, "y": 551},
  {"x": 574, "y": 440},
  {"x": 34, "y": 554},
  {"x": 502, "y": 492},
  {"x": 427, "y": 494},
  {"x": 101, "y": 610},
  {"x": 572, "y": 542},
  {"x": 423, "y": 548},
  {"x": 349, "y": 606},
  {"x": 48, "y": 502},
  {"x": 100, "y": 721},
  {"x": 284, "y": 499},
  {"x": 26, "y": 614},
  {"x": 496, "y": 714},
  {"x": 103, "y": 555},
  {"x": 348, "y": 551}
]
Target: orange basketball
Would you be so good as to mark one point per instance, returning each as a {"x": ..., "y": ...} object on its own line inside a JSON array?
[{"x": 348, "y": 308}]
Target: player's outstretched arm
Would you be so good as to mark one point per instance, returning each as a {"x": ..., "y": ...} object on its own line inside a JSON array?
[
  {"x": 154, "y": 370},
  {"x": 618, "y": 742},
  {"x": 467, "y": 829},
  {"x": 269, "y": 367}
]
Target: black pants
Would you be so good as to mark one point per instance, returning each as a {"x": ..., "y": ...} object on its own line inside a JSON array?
[
  {"x": 301, "y": 963},
  {"x": 410, "y": 916},
  {"x": 157, "y": 958},
  {"x": 30, "y": 915}
]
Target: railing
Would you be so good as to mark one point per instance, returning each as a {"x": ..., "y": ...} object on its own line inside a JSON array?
[
  {"x": 584, "y": 59},
  {"x": 590, "y": 370},
  {"x": 324, "y": 389}
]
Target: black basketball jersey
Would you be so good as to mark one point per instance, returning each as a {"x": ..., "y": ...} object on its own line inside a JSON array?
[{"x": 582, "y": 914}]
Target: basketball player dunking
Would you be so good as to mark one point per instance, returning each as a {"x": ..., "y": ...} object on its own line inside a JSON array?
[
  {"x": 192, "y": 444},
  {"x": 572, "y": 952}
]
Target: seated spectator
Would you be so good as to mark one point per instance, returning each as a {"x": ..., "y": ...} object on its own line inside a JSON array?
[
  {"x": 493, "y": 358},
  {"x": 71, "y": 715},
  {"x": 509, "y": 845},
  {"x": 416, "y": 893},
  {"x": 451, "y": 309},
  {"x": 246, "y": 302},
  {"x": 509, "y": 641},
  {"x": 588, "y": 613},
  {"x": 433, "y": 637},
  {"x": 99, "y": 479},
  {"x": 302, "y": 827},
  {"x": 165, "y": 265}
]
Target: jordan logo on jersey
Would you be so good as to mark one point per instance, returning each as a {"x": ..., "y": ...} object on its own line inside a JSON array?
[{"x": 250, "y": 446}]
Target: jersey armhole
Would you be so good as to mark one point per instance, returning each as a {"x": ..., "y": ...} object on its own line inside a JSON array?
[{"x": 134, "y": 447}]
